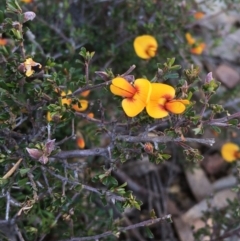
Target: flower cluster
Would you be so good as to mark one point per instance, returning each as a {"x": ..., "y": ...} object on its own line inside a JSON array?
[
  {"x": 196, "y": 47},
  {"x": 230, "y": 152},
  {"x": 80, "y": 105},
  {"x": 157, "y": 98}
]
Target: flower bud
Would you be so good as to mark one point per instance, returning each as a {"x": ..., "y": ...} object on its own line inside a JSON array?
[{"x": 29, "y": 16}]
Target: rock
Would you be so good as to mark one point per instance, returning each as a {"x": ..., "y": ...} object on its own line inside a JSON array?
[
  {"x": 199, "y": 183},
  {"x": 219, "y": 201},
  {"x": 214, "y": 164},
  {"x": 228, "y": 76}
]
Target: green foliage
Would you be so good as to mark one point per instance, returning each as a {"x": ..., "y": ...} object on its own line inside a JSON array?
[{"x": 60, "y": 189}]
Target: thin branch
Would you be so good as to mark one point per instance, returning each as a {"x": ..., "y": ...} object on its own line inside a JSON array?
[
  {"x": 165, "y": 139},
  {"x": 82, "y": 89},
  {"x": 221, "y": 120},
  {"x": 7, "y": 206},
  {"x": 108, "y": 233},
  {"x": 106, "y": 83},
  {"x": 82, "y": 153},
  {"x": 19, "y": 234},
  {"x": 110, "y": 195}
]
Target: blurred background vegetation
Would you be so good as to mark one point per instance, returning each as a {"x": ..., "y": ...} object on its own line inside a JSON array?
[{"x": 67, "y": 198}]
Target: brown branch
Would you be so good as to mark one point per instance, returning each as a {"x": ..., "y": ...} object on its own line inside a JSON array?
[
  {"x": 164, "y": 139},
  {"x": 108, "y": 233},
  {"x": 82, "y": 89},
  {"x": 221, "y": 120},
  {"x": 81, "y": 153},
  {"x": 106, "y": 83}
]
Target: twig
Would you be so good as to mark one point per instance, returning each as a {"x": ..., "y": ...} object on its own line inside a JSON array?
[
  {"x": 60, "y": 214},
  {"x": 221, "y": 120},
  {"x": 12, "y": 170},
  {"x": 165, "y": 139},
  {"x": 82, "y": 89},
  {"x": 7, "y": 206},
  {"x": 108, "y": 233},
  {"x": 110, "y": 195},
  {"x": 18, "y": 233},
  {"x": 106, "y": 83},
  {"x": 82, "y": 153},
  {"x": 33, "y": 184}
]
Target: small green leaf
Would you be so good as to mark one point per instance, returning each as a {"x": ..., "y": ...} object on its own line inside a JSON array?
[
  {"x": 233, "y": 122},
  {"x": 149, "y": 232},
  {"x": 217, "y": 129},
  {"x": 23, "y": 171},
  {"x": 83, "y": 52},
  {"x": 170, "y": 76}
]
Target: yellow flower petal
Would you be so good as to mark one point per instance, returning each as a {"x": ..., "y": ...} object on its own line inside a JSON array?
[
  {"x": 28, "y": 64},
  {"x": 49, "y": 117},
  {"x": 185, "y": 102},
  {"x": 230, "y": 152},
  {"x": 190, "y": 39},
  {"x": 175, "y": 106},
  {"x": 143, "y": 89},
  {"x": 162, "y": 91},
  {"x": 83, "y": 105},
  {"x": 29, "y": 71},
  {"x": 156, "y": 109},
  {"x": 122, "y": 87},
  {"x": 133, "y": 106},
  {"x": 145, "y": 46}
]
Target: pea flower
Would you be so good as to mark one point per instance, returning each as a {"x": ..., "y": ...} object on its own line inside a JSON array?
[
  {"x": 65, "y": 99},
  {"x": 230, "y": 152},
  {"x": 162, "y": 101},
  {"x": 3, "y": 41},
  {"x": 27, "y": 1},
  {"x": 80, "y": 105},
  {"x": 135, "y": 95},
  {"x": 199, "y": 15},
  {"x": 196, "y": 46},
  {"x": 28, "y": 66},
  {"x": 145, "y": 46}
]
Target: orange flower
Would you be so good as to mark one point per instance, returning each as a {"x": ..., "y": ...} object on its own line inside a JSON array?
[
  {"x": 198, "y": 49},
  {"x": 66, "y": 100},
  {"x": 162, "y": 101},
  {"x": 199, "y": 15},
  {"x": 190, "y": 39},
  {"x": 80, "y": 140},
  {"x": 27, "y": 1},
  {"x": 135, "y": 95},
  {"x": 90, "y": 115},
  {"x": 230, "y": 152},
  {"x": 28, "y": 66},
  {"x": 80, "y": 106},
  {"x": 80, "y": 143},
  {"x": 3, "y": 41},
  {"x": 85, "y": 93},
  {"x": 145, "y": 46}
]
